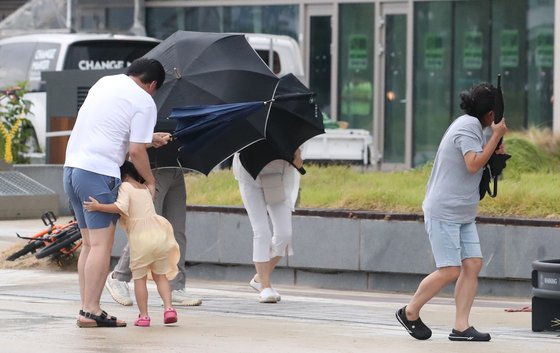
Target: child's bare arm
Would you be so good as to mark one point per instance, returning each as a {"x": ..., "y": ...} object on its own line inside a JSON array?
[{"x": 94, "y": 205}]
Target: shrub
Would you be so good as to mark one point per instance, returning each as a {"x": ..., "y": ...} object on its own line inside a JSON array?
[{"x": 15, "y": 128}]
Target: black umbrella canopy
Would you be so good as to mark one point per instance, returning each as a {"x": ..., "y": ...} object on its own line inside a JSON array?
[
  {"x": 210, "y": 68},
  {"x": 205, "y": 68},
  {"x": 293, "y": 119}
]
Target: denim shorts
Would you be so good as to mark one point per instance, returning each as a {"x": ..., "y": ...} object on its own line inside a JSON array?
[
  {"x": 79, "y": 185},
  {"x": 452, "y": 242}
]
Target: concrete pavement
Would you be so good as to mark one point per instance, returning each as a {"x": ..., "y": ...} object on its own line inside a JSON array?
[{"x": 38, "y": 309}]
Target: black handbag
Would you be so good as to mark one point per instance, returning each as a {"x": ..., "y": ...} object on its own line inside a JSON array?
[{"x": 492, "y": 170}]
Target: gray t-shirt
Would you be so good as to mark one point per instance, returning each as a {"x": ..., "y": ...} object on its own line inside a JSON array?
[{"x": 452, "y": 192}]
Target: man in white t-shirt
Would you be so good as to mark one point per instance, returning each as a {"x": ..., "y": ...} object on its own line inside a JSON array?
[{"x": 117, "y": 117}]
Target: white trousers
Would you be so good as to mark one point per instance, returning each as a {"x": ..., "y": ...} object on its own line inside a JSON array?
[{"x": 267, "y": 243}]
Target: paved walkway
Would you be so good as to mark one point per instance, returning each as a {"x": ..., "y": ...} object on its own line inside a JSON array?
[{"x": 38, "y": 309}]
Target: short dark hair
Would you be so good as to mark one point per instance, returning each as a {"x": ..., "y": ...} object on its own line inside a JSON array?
[
  {"x": 128, "y": 169},
  {"x": 147, "y": 70},
  {"x": 478, "y": 100}
]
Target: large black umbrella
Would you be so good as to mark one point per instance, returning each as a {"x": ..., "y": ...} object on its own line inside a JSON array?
[
  {"x": 293, "y": 119},
  {"x": 206, "y": 68}
]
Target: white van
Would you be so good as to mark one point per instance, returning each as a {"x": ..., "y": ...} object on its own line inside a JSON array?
[{"x": 24, "y": 57}]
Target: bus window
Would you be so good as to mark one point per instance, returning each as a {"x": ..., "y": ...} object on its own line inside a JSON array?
[{"x": 105, "y": 54}]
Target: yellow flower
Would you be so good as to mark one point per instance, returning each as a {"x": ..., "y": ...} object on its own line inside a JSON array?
[{"x": 8, "y": 138}]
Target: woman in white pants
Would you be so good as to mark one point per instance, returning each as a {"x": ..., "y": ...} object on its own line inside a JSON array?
[{"x": 269, "y": 199}]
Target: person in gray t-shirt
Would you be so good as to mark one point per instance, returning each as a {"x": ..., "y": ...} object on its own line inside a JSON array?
[{"x": 450, "y": 207}]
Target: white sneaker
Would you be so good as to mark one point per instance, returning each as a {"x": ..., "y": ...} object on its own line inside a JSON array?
[
  {"x": 267, "y": 296},
  {"x": 118, "y": 290},
  {"x": 180, "y": 298},
  {"x": 255, "y": 285},
  {"x": 278, "y": 297}
]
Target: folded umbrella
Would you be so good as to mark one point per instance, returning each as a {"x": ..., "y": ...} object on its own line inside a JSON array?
[{"x": 497, "y": 162}]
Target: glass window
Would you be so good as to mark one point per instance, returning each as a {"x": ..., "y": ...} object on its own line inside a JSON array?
[
  {"x": 105, "y": 54},
  {"x": 161, "y": 22},
  {"x": 394, "y": 117},
  {"x": 281, "y": 19},
  {"x": 433, "y": 36},
  {"x": 356, "y": 60},
  {"x": 540, "y": 29},
  {"x": 471, "y": 39},
  {"x": 119, "y": 19},
  {"x": 509, "y": 57},
  {"x": 320, "y": 61},
  {"x": 460, "y": 43},
  {"x": 115, "y": 16}
]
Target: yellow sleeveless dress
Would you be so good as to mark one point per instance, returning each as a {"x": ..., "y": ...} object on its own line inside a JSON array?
[{"x": 150, "y": 236}]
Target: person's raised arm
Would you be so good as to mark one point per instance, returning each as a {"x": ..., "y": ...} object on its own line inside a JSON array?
[
  {"x": 139, "y": 157},
  {"x": 475, "y": 161}
]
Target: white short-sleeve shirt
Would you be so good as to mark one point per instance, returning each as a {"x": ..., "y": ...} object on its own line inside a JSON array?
[{"x": 116, "y": 111}]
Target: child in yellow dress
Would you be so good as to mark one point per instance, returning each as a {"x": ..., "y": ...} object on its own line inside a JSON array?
[{"x": 150, "y": 237}]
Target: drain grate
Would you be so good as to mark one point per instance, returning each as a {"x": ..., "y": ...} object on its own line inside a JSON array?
[{"x": 17, "y": 183}]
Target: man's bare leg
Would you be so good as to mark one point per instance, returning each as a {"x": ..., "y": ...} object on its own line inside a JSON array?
[
  {"x": 429, "y": 288},
  {"x": 96, "y": 267},
  {"x": 465, "y": 291},
  {"x": 84, "y": 252}
]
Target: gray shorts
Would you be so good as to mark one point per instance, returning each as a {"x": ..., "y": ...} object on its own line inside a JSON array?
[
  {"x": 452, "y": 242},
  {"x": 79, "y": 185}
]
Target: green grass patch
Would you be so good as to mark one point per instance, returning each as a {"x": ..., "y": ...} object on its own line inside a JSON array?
[{"x": 529, "y": 187}]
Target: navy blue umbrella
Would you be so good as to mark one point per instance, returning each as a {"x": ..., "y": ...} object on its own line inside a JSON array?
[{"x": 209, "y": 134}]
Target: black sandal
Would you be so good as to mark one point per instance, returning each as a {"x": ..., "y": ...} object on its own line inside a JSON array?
[
  {"x": 103, "y": 312},
  {"x": 102, "y": 320}
]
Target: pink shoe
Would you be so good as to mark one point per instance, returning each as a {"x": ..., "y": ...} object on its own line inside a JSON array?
[
  {"x": 142, "y": 321},
  {"x": 169, "y": 316}
]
